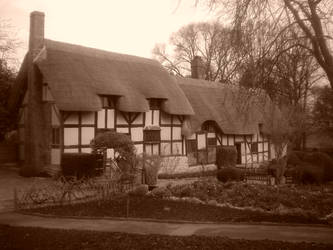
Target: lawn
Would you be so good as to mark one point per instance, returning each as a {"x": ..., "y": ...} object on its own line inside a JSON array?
[{"x": 54, "y": 239}]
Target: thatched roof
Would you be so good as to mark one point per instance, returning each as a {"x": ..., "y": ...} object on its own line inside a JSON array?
[
  {"x": 77, "y": 75},
  {"x": 235, "y": 110}
]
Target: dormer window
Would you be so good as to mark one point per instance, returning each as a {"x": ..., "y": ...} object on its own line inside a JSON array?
[
  {"x": 107, "y": 102},
  {"x": 154, "y": 104}
]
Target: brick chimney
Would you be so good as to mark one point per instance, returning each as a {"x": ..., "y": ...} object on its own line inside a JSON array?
[
  {"x": 197, "y": 68},
  {"x": 36, "y": 39},
  {"x": 38, "y": 113}
]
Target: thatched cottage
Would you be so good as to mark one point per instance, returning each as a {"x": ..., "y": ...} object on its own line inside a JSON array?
[{"x": 66, "y": 94}]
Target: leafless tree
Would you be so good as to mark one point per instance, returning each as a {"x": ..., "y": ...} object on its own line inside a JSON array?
[
  {"x": 210, "y": 41},
  {"x": 312, "y": 17}
]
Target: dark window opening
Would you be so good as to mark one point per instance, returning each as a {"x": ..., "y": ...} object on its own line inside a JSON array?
[
  {"x": 254, "y": 147},
  {"x": 152, "y": 135},
  {"x": 211, "y": 142},
  {"x": 154, "y": 104}
]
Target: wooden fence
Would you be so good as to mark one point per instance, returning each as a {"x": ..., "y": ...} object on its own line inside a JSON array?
[{"x": 61, "y": 193}]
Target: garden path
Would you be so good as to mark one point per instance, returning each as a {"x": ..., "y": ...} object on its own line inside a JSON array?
[{"x": 291, "y": 233}]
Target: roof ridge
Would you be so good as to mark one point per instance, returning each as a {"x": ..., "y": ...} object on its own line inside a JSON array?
[{"x": 90, "y": 51}]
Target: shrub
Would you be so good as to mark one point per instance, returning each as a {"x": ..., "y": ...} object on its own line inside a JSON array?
[
  {"x": 324, "y": 162},
  {"x": 293, "y": 159},
  {"x": 226, "y": 156},
  {"x": 80, "y": 164},
  {"x": 141, "y": 190},
  {"x": 228, "y": 174},
  {"x": 160, "y": 192}
]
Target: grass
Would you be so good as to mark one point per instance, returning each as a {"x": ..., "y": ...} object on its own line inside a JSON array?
[{"x": 54, "y": 239}]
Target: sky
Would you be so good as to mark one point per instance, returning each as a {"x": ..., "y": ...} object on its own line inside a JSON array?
[{"x": 123, "y": 26}]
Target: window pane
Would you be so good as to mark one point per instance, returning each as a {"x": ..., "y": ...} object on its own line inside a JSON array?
[{"x": 151, "y": 135}]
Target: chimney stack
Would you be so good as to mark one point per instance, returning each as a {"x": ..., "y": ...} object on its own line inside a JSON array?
[
  {"x": 197, "y": 68},
  {"x": 36, "y": 39}
]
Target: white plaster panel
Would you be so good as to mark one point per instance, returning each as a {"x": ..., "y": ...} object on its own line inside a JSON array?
[
  {"x": 184, "y": 146},
  {"x": 156, "y": 121},
  {"x": 165, "y": 148},
  {"x": 54, "y": 118},
  {"x": 176, "y": 148},
  {"x": 254, "y": 157},
  {"x": 266, "y": 157},
  {"x": 122, "y": 130},
  {"x": 165, "y": 118},
  {"x": 201, "y": 141},
  {"x": 176, "y": 133},
  {"x": 243, "y": 148},
  {"x": 260, "y": 147},
  {"x": 110, "y": 153},
  {"x": 211, "y": 135},
  {"x": 224, "y": 140},
  {"x": 137, "y": 134},
  {"x": 243, "y": 159},
  {"x": 72, "y": 119},
  {"x": 272, "y": 152},
  {"x": 139, "y": 148},
  {"x": 110, "y": 121},
  {"x": 71, "y": 136},
  {"x": 120, "y": 119},
  {"x": 176, "y": 120},
  {"x": 166, "y": 133},
  {"x": 265, "y": 146},
  {"x": 155, "y": 149},
  {"x": 238, "y": 138},
  {"x": 231, "y": 140},
  {"x": 139, "y": 119},
  {"x": 86, "y": 150},
  {"x": 261, "y": 157},
  {"x": 88, "y": 118},
  {"x": 71, "y": 150},
  {"x": 87, "y": 135},
  {"x": 55, "y": 156},
  {"x": 101, "y": 119},
  {"x": 191, "y": 137},
  {"x": 148, "y": 121}
]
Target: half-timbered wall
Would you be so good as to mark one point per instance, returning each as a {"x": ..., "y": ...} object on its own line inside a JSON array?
[
  {"x": 23, "y": 112},
  {"x": 201, "y": 147},
  {"x": 79, "y": 128}
]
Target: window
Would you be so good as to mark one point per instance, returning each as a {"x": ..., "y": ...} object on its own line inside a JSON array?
[
  {"x": 254, "y": 147},
  {"x": 152, "y": 135},
  {"x": 55, "y": 137},
  {"x": 154, "y": 104},
  {"x": 107, "y": 102},
  {"x": 211, "y": 142}
]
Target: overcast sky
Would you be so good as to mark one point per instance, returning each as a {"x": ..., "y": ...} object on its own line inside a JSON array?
[{"x": 124, "y": 26}]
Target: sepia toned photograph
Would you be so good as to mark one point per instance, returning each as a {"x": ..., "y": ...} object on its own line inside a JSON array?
[{"x": 166, "y": 124}]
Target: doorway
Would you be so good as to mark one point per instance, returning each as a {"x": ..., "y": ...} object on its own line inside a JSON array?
[{"x": 239, "y": 153}]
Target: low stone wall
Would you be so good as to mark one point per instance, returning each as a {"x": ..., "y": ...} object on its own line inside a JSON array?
[
  {"x": 8, "y": 153},
  {"x": 179, "y": 164}
]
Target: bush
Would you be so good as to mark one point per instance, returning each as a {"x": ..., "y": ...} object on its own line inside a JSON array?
[
  {"x": 308, "y": 174},
  {"x": 160, "y": 192},
  {"x": 293, "y": 159},
  {"x": 141, "y": 190},
  {"x": 228, "y": 174},
  {"x": 324, "y": 162},
  {"x": 226, "y": 156},
  {"x": 80, "y": 164}
]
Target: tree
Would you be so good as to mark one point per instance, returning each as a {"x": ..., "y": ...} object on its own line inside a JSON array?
[
  {"x": 323, "y": 110},
  {"x": 210, "y": 41},
  {"x": 313, "y": 18},
  {"x": 8, "y": 46}
]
